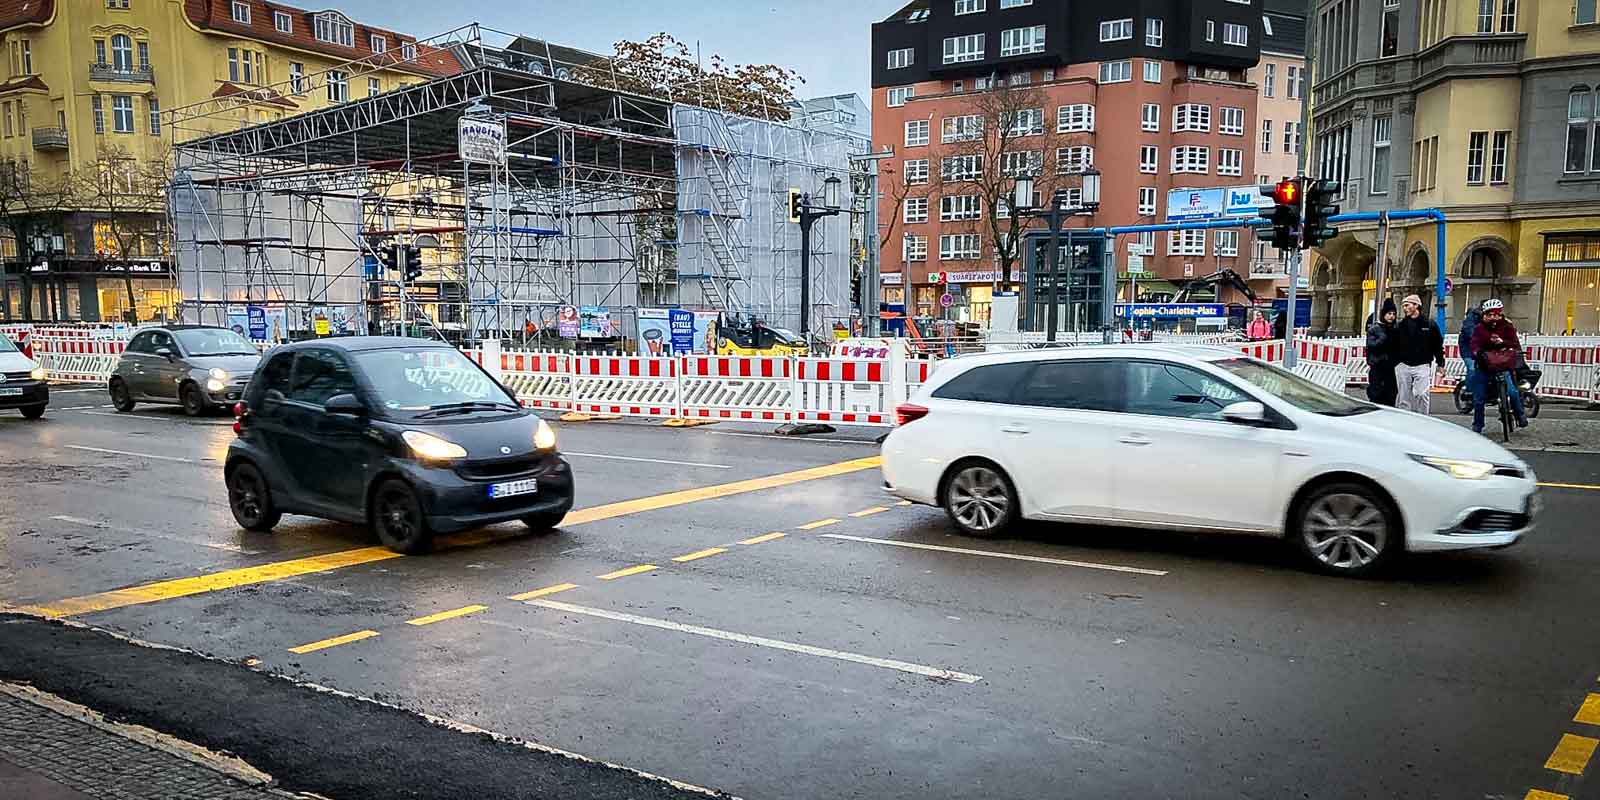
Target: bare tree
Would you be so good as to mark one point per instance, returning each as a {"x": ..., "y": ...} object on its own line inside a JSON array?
[
  {"x": 127, "y": 197},
  {"x": 664, "y": 67},
  {"x": 30, "y": 206},
  {"x": 898, "y": 186}
]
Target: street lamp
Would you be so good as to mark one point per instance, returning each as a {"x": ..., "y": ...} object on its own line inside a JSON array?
[
  {"x": 1055, "y": 215},
  {"x": 808, "y": 214}
]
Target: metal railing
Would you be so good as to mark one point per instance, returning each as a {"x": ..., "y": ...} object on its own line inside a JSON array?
[
  {"x": 119, "y": 74},
  {"x": 50, "y": 138}
]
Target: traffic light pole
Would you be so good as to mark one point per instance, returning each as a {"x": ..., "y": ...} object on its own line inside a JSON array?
[{"x": 400, "y": 261}]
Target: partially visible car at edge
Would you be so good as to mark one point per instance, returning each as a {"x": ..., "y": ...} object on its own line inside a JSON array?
[
  {"x": 23, "y": 384},
  {"x": 198, "y": 367}
]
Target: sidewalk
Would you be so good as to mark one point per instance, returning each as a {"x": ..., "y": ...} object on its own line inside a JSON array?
[
  {"x": 52, "y": 750},
  {"x": 1559, "y": 428}
]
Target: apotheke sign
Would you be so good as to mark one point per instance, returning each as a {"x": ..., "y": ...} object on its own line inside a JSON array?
[{"x": 985, "y": 276}]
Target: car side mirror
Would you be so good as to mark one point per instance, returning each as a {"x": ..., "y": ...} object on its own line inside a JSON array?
[
  {"x": 164, "y": 352},
  {"x": 1247, "y": 412},
  {"x": 345, "y": 404}
]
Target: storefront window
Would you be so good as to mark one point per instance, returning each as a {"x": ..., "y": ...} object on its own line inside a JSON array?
[
  {"x": 1571, "y": 300},
  {"x": 154, "y": 299},
  {"x": 926, "y": 300},
  {"x": 980, "y": 299},
  {"x": 894, "y": 295}
]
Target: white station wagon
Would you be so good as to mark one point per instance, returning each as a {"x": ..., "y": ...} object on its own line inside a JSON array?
[{"x": 1203, "y": 439}]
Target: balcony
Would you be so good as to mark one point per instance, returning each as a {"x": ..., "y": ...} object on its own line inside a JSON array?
[
  {"x": 49, "y": 138},
  {"x": 1472, "y": 56},
  {"x": 112, "y": 73}
]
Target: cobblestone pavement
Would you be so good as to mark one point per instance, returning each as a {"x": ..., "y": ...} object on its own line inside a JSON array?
[
  {"x": 45, "y": 755},
  {"x": 1559, "y": 428}
]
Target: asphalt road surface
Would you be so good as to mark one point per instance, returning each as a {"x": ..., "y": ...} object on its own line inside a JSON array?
[{"x": 750, "y": 614}]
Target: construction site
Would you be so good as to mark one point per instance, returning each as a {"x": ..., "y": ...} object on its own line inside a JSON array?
[{"x": 531, "y": 186}]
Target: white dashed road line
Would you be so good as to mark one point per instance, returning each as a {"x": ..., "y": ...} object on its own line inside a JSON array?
[
  {"x": 109, "y": 451},
  {"x": 1060, "y": 562}
]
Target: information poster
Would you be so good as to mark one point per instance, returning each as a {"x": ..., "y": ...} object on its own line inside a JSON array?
[
  {"x": 705, "y": 332},
  {"x": 239, "y": 320},
  {"x": 655, "y": 332},
  {"x": 257, "y": 317},
  {"x": 567, "y": 322},
  {"x": 594, "y": 322},
  {"x": 681, "y": 324}
]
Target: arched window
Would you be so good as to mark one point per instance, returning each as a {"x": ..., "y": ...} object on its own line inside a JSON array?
[
  {"x": 121, "y": 53},
  {"x": 1482, "y": 262},
  {"x": 1580, "y": 129}
]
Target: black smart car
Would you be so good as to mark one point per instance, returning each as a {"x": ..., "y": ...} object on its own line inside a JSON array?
[{"x": 408, "y": 436}]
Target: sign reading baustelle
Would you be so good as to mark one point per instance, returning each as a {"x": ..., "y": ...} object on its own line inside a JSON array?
[{"x": 481, "y": 141}]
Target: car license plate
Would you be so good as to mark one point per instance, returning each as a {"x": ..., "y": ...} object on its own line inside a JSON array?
[
  {"x": 512, "y": 488},
  {"x": 12, "y": 392}
]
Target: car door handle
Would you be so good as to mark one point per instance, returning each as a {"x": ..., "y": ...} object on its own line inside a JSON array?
[
  {"x": 1015, "y": 429},
  {"x": 1135, "y": 439}
]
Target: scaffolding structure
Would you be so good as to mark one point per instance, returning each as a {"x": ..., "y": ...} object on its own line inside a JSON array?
[{"x": 604, "y": 198}]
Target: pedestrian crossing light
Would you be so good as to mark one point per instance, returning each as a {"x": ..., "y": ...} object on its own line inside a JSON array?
[
  {"x": 1320, "y": 208},
  {"x": 1284, "y": 213},
  {"x": 794, "y": 205},
  {"x": 413, "y": 261}
]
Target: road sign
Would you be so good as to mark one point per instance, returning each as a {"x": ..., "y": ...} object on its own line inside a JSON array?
[
  {"x": 1135, "y": 264},
  {"x": 1448, "y": 285},
  {"x": 946, "y": 300}
]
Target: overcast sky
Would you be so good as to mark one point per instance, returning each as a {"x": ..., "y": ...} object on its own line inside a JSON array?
[{"x": 825, "y": 40}]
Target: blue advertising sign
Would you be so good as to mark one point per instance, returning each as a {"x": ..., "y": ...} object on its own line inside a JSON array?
[
  {"x": 681, "y": 324},
  {"x": 1184, "y": 205},
  {"x": 1171, "y": 310},
  {"x": 258, "y": 322},
  {"x": 1246, "y": 201}
]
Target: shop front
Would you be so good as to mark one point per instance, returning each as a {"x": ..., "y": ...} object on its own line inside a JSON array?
[
  {"x": 1571, "y": 301},
  {"x": 88, "y": 290}
]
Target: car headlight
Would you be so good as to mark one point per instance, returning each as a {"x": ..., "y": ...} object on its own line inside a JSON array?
[
  {"x": 218, "y": 374},
  {"x": 432, "y": 448},
  {"x": 214, "y": 385},
  {"x": 1456, "y": 467},
  {"x": 544, "y": 438},
  {"x": 38, "y": 374}
]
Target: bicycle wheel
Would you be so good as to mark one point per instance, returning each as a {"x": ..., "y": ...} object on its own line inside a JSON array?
[{"x": 1505, "y": 407}]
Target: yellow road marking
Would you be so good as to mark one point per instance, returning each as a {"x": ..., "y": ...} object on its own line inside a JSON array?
[
  {"x": 821, "y": 523},
  {"x": 444, "y": 615},
  {"x": 1538, "y": 794},
  {"x": 903, "y": 503},
  {"x": 264, "y": 573},
  {"x": 699, "y": 554},
  {"x": 867, "y": 512},
  {"x": 766, "y": 537},
  {"x": 1572, "y": 754},
  {"x": 1589, "y": 486},
  {"x": 623, "y": 573},
  {"x": 1589, "y": 712},
  {"x": 560, "y": 587},
  {"x": 334, "y": 642}
]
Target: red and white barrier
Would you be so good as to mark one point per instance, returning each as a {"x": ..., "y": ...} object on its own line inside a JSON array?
[
  {"x": 77, "y": 358},
  {"x": 757, "y": 388},
  {"x": 625, "y": 386},
  {"x": 539, "y": 380},
  {"x": 849, "y": 392},
  {"x": 1571, "y": 372}
]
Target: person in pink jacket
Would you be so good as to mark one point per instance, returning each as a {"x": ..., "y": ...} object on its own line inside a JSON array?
[{"x": 1258, "y": 328}]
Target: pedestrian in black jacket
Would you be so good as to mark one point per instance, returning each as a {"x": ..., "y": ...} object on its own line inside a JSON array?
[
  {"x": 1418, "y": 347},
  {"x": 1381, "y": 386}
]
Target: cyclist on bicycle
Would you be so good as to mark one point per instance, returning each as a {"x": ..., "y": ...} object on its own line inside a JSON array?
[{"x": 1498, "y": 352}]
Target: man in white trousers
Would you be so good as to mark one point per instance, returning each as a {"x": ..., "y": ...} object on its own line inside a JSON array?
[{"x": 1419, "y": 352}]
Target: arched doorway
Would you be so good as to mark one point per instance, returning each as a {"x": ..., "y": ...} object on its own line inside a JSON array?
[
  {"x": 1414, "y": 280},
  {"x": 1480, "y": 272}
]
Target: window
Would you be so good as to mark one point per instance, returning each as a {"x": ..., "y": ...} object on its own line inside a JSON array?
[
  {"x": 914, "y": 248},
  {"x": 282, "y": 23},
  {"x": 1297, "y": 83},
  {"x": 1291, "y": 137},
  {"x": 1020, "y": 78},
  {"x": 1485, "y": 16},
  {"x": 1269, "y": 78},
  {"x": 1144, "y": 243},
  {"x": 898, "y": 95},
  {"x": 1227, "y": 243},
  {"x": 1583, "y": 12},
  {"x": 98, "y": 104},
  {"x": 1015, "y": 3},
  {"x": 26, "y": 49},
  {"x": 916, "y": 132},
  {"x": 144, "y": 55},
  {"x": 1333, "y": 155},
  {"x": 1148, "y": 159},
  {"x": 960, "y": 207},
  {"x": 958, "y": 49},
  {"x": 1389, "y": 33},
  {"x": 373, "y": 89},
  {"x": 1024, "y": 162},
  {"x": 1074, "y": 159},
  {"x": 1191, "y": 117},
  {"x": 318, "y": 376},
  {"x": 1116, "y": 71},
  {"x": 1150, "y": 117},
  {"x": 154, "y": 107},
  {"x": 961, "y": 129},
  {"x": 1211, "y": 30},
  {"x": 1236, "y": 34},
  {"x": 1266, "y": 136},
  {"x": 991, "y": 384},
  {"x": 1425, "y": 164},
  {"x": 1186, "y": 243},
  {"x": 969, "y": 6},
  {"x": 1147, "y": 201},
  {"x": 1154, "y": 32},
  {"x": 981, "y": 83},
  {"x": 1477, "y": 144},
  {"x": 119, "y": 4},
  {"x": 379, "y": 44},
  {"x": 916, "y": 170},
  {"x": 233, "y": 64},
  {"x": 1508, "y": 16},
  {"x": 1075, "y": 118},
  {"x": 1171, "y": 390},
  {"x": 333, "y": 28},
  {"x": 5, "y": 111},
  {"x": 916, "y": 210},
  {"x": 1152, "y": 71},
  {"x": 1230, "y": 121},
  {"x": 1230, "y": 161},
  {"x": 1380, "y": 154},
  {"x": 1191, "y": 159},
  {"x": 1026, "y": 122},
  {"x": 902, "y": 58},
  {"x": 959, "y": 247},
  {"x": 241, "y": 11},
  {"x": 338, "y": 86},
  {"x": 1115, "y": 30},
  {"x": 408, "y": 51},
  {"x": 1013, "y": 42},
  {"x": 961, "y": 168},
  {"x": 1497, "y": 156},
  {"x": 122, "y": 113},
  {"x": 1580, "y": 124},
  {"x": 297, "y": 77},
  {"x": 1078, "y": 385}
]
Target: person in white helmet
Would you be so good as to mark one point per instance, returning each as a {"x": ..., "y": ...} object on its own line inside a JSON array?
[{"x": 1498, "y": 351}]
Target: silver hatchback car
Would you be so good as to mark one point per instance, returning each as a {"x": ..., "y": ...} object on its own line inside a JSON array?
[{"x": 197, "y": 367}]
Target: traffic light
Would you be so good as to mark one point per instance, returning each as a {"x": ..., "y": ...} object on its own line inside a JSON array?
[
  {"x": 1319, "y": 208},
  {"x": 1284, "y": 213},
  {"x": 386, "y": 258},
  {"x": 413, "y": 262},
  {"x": 794, "y": 205}
]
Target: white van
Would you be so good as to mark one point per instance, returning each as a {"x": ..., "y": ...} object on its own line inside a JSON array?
[{"x": 22, "y": 382}]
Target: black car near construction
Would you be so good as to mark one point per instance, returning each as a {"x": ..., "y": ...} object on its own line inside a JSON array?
[{"x": 408, "y": 436}]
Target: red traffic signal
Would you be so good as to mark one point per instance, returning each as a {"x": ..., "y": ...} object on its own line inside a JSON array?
[{"x": 1287, "y": 192}]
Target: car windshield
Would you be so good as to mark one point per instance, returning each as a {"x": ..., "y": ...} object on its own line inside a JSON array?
[
  {"x": 6, "y": 346},
  {"x": 431, "y": 379},
  {"x": 214, "y": 342},
  {"x": 1293, "y": 389}
]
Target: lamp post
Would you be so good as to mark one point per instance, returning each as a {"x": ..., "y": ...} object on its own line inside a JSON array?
[
  {"x": 808, "y": 214},
  {"x": 1055, "y": 215}
]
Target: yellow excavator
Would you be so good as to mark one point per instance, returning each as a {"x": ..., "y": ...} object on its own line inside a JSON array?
[{"x": 740, "y": 335}]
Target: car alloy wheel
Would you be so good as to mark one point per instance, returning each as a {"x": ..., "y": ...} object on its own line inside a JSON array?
[
  {"x": 979, "y": 500},
  {"x": 121, "y": 398},
  {"x": 193, "y": 404},
  {"x": 397, "y": 518},
  {"x": 1346, "y": 531},
  {"x": 249, "y": 500}
]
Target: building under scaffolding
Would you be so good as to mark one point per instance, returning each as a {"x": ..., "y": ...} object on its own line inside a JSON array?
[{"x": 602, "y": 198}]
